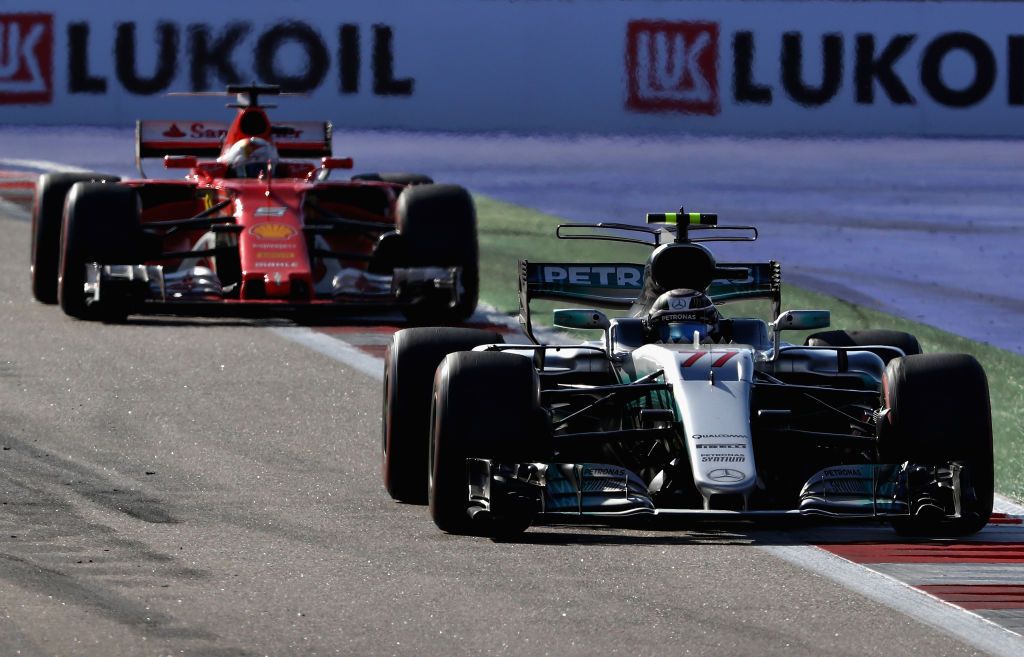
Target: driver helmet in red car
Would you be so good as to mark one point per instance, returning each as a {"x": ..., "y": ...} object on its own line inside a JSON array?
[
  {"x": 677, "y": 314},
  {"x": 248, "y": 158}
]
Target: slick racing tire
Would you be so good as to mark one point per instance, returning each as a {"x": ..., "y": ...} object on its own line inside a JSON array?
[
  {"x": 868, "y": 337},
  {"x": 101, "y": 224},
  {"x": 485, "y": 405},
  {"x": 47, "y": 218},
  {"x": 397, "y": 178},
  {"x": 939, "y": 412},
  {"x": 438, "y": 228},
  {"x": 409, "y": 365}
]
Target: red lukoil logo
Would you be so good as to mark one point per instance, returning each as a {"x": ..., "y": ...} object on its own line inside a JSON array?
[
  {"x": 672, "y": 66},
  {"x": 26, "y": 58}
]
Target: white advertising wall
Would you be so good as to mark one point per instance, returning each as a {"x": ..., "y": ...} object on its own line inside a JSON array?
[{"x": 795, "y": 67}]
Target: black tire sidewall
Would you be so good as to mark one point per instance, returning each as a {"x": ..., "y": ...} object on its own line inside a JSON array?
[
  {"x": 47, "y": 223},
  {"x": 939, "y": 411},
  {"x": 501, "y": 425},
  {"x": 398, "y": 178},
  {"x": 906, "y": 342},
  {"x": 100, "y": 224},
  {"x": 438, "y": 228},
  {"x": 410, "y": 363}
]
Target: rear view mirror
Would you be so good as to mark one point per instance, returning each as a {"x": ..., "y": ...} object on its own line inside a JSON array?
[
  {"x": 581, "y": 318},
  {"x": 179, "y": 162},
  {"x": 802, "y": 320}
]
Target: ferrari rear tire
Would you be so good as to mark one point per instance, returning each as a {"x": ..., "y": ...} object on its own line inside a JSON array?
[
  {"x": 438, "y": 227},
  {"x": 867, "y": 337},
  {"x": 409, "y": 365},
  {"x": 504, "y": 424},
  {"x": 395, "y": 177},
  {"x": 101, "y": 224},
  {"x": 939, "y": 412},
  {"x": 47, "y": 219}
]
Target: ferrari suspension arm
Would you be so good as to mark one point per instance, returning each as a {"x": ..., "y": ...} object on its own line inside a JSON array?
[
  {"x": 204, "y": 218},
  {"x": 334, "y": 222}
]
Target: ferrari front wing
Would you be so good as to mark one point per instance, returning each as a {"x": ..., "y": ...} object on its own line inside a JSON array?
[{"x": 142, "y": 285}]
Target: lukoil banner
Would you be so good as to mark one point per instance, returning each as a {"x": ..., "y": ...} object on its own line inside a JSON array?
[{"x": 731, "y": 67}]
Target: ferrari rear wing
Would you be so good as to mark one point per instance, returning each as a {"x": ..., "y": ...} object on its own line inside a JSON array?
[
  {"x": 294, "y": 139},
  {"x": 618, "y": 285}
]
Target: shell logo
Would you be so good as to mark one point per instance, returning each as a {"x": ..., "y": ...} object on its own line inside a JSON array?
[{"x": 272, "y": 231}]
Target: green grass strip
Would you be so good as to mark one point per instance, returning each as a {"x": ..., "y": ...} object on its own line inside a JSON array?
[{"x": 510, "y": 232}]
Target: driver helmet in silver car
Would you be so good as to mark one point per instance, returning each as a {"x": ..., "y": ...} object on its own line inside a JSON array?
[{"x": 677, "y": 314}]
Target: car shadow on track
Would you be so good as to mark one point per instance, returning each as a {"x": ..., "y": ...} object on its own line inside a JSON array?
[
  {"x": 655, "y": 532},
  {"x": 168, "y": 321},
  {"x": 317, "y": 318},
  {"x": 219, "y": 317},
  {"x": 214, "y": 315},
  {"x": 613, "y": 539}
]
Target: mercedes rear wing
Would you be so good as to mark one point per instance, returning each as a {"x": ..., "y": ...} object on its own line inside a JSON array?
[
  {"x": 618, "y": 285},
  {"x": 294, "y": 139}
]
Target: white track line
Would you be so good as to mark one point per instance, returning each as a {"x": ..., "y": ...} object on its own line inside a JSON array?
[
  {"x": 347, "y": 354},
  {"x": 14, "y": 211},
  {"x": 968, "y": 627},
  {"x": 45, "y": 166},
  {"x": 333, "y": 348},
  {"x": 1008, "y": 506}
]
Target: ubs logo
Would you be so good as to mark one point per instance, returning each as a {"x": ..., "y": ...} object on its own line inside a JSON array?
[
  {"x": 672, "y": 66},
  {"x": 26, "y": 59}
]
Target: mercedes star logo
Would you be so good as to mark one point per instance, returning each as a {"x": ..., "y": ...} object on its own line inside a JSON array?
[{"x": 725, "y": 474}]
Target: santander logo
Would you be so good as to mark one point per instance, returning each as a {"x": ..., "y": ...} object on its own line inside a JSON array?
[{"x": 174, "y": 132}]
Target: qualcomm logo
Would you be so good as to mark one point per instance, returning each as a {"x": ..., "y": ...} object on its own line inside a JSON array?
[
  {"x": 672, "y": 66},
  {"x": 26, "y": 56}
]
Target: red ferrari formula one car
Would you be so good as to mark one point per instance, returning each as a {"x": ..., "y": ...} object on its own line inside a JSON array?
[{"x": 249, "y": 230}]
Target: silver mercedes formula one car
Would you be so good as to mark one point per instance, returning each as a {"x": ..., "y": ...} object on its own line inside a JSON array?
[{"x": 683, "y": 408}]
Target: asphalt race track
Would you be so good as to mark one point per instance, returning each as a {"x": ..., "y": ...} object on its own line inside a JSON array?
[{"x": 192, "y": 487}]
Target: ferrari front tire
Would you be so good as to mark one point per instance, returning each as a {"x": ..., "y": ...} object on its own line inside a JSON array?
[
  {"x": 438, "y": 227},
  {"x": 101, "y": 225},
  {"x": 47, "y": 218},
  {"x": 395, "y": 177}
]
